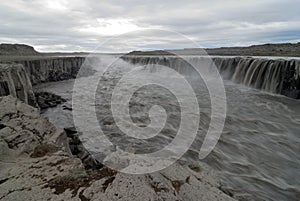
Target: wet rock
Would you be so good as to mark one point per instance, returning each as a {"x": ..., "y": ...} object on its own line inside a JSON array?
[
  {"x": 47, "y": 100},
  {"x": 71, "y": 131},
  {"x": 78, "y": 150},
  {"x": 65, "y": 107},
  {"x": 292, "y": 93}
]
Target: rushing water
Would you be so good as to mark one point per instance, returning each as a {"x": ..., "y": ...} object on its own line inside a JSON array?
[{"x": 258, "y": 154}]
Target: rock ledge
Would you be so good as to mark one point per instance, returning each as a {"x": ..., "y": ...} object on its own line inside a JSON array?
[{"x": 36, "y": 164}]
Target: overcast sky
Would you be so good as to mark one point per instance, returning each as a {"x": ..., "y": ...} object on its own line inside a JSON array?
[{"x": 124, "y": 25}]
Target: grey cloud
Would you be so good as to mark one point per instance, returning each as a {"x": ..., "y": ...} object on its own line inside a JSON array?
[{"x": 76, "y": 25}]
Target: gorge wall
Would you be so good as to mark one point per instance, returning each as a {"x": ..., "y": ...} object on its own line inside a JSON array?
[
  {"x": 14, "y": 81},
  {"x": 52, "y": 69},
  {"x": 17, "y": 78},
  {"x": 277, "y": 76}
]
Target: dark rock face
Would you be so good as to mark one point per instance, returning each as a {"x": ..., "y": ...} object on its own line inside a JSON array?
[
  {"x": 4, "y": 88},
  {"x": 46, "y": 100},
  {"x": 66, "y": 107},
  {"x": 80, "y": 151},
  {"x": 14, "y": 81},
  {"x": 17, "y": 78},
  {"x": 52, "y": 69},
  {"x": 291, "y": 80}
]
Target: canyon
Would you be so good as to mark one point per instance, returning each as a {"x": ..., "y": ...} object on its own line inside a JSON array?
[{"x": 29, "y": 141}]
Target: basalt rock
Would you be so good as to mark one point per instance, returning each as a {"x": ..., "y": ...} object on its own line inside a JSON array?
[
  {"x": 80, "y": 151},
  {"x": 36, "y": 164},
  {"x": 46, "y": 100},
  {"x": 17, "y": 78},
  {"x": 22, "y": 126},
  {"x": 66, "y": 107},
  {"x": 52, "y": 69},
  {"x": 14, "y": 81}
]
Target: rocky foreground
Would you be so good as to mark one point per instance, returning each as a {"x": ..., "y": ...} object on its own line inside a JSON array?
[{"x": 36, "y": 163}]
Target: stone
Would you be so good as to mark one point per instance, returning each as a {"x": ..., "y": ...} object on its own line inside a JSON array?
[
  {"x": 54, "y": 69},
  {"x": 65, "y": 107},
  {"x": 46, "y": 99},
  {"x": 15, "y": 81},
  {"x": 40, "y": 167},
  {"x": 78, "y": 150}
]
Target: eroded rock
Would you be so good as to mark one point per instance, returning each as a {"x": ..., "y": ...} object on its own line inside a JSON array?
[
  {"x": 78, "y": 150},
  {"x": 14, "y": 81},
  {"x": 47, "y": 100},
  {"x": 41, "y": 167}
]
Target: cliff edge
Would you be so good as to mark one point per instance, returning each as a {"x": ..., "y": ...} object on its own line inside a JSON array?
[{"x": 36, "y": 164}]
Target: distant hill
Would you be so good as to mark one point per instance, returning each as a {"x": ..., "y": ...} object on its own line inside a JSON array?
[
  {"x": 286, "y": 49},
  {"x": 154, "y": 52},
  {"x": 17, "y": 50}
]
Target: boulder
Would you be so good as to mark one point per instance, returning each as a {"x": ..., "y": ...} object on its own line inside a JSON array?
[{"x": 46, "y": 99}]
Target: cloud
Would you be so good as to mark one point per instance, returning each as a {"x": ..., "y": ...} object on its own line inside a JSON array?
[{"x": 75, "y": 25}]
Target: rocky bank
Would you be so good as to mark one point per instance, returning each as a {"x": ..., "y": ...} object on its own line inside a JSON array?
[{"x": 36, "y": 163}]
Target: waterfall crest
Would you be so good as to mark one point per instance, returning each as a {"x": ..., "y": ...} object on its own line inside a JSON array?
[{"x": 277, "y": 76}]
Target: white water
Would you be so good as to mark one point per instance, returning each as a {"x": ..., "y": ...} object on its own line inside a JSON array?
[{"x": 257, "y": 154}]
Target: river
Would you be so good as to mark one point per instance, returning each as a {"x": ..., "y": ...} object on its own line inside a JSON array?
[{"x": 257, "y": 155}]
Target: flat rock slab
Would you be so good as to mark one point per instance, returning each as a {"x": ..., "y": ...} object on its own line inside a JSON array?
[{"x": 40, "y": 167}]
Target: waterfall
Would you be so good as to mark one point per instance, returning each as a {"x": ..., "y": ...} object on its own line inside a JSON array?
[{"x": 277, "y": 76}]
